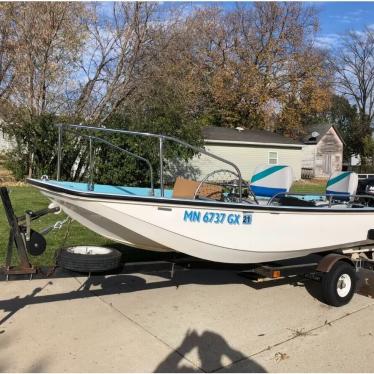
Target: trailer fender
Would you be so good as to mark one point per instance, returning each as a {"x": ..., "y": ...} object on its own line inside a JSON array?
[{"x": 328, "y": 261}]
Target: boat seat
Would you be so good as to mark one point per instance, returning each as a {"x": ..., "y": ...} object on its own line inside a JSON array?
[
  {"x": 269, "y": 180},
  {"x": 342, "y": 184},
  {"x": 186, "y": 189}
]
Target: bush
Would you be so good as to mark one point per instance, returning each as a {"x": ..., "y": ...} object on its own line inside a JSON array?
[
  {"x": 34, "y": 153},
  {"x": 36, "y": 141}
]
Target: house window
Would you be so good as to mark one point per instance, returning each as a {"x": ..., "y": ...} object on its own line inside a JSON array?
[{"x": 273, "y": 158}]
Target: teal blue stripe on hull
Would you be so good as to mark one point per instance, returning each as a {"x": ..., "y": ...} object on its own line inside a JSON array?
[
  {"x": 265, "y": 173},
  {"x": 337, "y": 178}
]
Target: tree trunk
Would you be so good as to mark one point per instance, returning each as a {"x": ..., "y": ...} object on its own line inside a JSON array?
[{"x": 31, "y": 165}]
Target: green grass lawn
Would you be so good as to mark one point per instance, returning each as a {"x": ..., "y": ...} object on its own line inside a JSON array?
[
  {"x": 309, "y": 187},
  {"x": 24, "y": 198}
]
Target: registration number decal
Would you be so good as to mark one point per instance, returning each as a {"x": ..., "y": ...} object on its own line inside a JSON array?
[{"x": 217, "y": 218}]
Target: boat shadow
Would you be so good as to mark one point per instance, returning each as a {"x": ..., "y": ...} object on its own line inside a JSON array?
[
  {"x": 130, "y": 279},
  {"x": 211, "y": 347}
]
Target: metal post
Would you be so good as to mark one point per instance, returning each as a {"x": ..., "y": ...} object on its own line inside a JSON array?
[
  {"x": 240, "y": 190},
  {"x": 91, "y": 168},
  {"x": 59, "y": 152},
  {"x": 161, "y": 166}
]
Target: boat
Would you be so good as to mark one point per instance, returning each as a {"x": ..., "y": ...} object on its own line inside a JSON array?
[{"x": 204, "y": 220}]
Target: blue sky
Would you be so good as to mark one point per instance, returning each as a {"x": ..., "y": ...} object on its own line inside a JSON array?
[
  {"x": 335, "y": 17},
  {"x": 338, "y": 17}
]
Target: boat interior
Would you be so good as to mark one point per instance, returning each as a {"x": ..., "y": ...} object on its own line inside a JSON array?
[
  {"x": 223, "y": 192},
  {"x": 269, "y": 184}
]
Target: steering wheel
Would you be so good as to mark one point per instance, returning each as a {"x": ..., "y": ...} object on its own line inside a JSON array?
[{"x": 228, "y": 180}]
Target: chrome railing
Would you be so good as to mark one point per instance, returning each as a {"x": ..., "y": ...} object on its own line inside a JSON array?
[
  {"x": 161, "y": 139},
  {"x": 91, "y": 160}
]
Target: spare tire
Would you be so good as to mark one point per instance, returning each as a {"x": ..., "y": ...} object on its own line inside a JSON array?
[{"x": 87, "y": 259}]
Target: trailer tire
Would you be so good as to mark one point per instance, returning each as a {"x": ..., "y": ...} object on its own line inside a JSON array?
[
  {"x": 339, "y": 284},
  {"x": 87, "y": 259}
]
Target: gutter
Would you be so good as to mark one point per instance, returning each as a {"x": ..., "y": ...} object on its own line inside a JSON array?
[{"x": 300, "y": 146}]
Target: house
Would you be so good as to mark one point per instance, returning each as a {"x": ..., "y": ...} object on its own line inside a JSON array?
[
  {"x": 322, "y": 150},
  {"x": 247, "y": 149}
]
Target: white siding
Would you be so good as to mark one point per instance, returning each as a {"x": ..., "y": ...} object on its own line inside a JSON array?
[
  {"x": 5, "y": 143},
  {"x": 309, "y": 156},
  {"x": 247, "y": 157}
]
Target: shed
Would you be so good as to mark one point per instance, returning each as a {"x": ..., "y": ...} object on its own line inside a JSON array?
[
  {"x": 248, "y": 149},
  {"x": 322, "y": 150}
]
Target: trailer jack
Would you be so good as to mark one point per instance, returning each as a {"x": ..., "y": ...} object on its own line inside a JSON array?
[{"x": 26, "y": 240}]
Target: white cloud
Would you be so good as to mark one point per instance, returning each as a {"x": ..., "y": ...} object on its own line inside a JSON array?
[
  {"x": 327, "y": 41},
  {"x": 349, "y": 17}
]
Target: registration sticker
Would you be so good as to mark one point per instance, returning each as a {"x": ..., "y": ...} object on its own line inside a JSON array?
[{"x": 217, "y": 217}]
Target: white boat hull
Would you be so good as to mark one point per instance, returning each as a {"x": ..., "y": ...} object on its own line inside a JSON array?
[{"x": 223, "y": 234}]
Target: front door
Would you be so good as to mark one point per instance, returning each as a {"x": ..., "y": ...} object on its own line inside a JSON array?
[{"x": 327, "y": 164}]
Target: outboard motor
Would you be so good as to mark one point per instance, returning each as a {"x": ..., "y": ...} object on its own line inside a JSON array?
[
  {"x": 269, "y": 180},
  {"x": 342, "y": 184}
]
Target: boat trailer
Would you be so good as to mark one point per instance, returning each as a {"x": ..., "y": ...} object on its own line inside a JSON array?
[
  {"x": 335, "y": 270},
  {"x": 340, "y": 274}
]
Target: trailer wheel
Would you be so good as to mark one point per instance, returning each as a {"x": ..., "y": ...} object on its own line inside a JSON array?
[
  {"x": 339, "y": 284},
  {"x": 87, "y": 259}
]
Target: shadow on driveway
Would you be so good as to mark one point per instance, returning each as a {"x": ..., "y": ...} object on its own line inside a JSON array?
[
  {"x": 122, "y": 282},
  {"x": 211, "y": 349}
]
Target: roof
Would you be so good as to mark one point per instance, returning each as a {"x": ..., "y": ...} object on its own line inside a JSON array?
[
  {"x": 246, "y": 136},
  {"x": 321, "y": 129}
]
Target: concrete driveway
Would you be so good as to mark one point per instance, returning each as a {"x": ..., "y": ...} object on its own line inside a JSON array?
[{"x": 202, "y": 320}]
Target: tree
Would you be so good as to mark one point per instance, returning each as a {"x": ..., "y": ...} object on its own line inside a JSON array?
[
  {"x": 354, "y": 66},
  {"x": 254, "y": 66},
  {"x": 260, "y": 66},
  {"x": 346, "y": 117},
  {"x": 114, "y": 59},
  {"x": 45, "y": 40},
  {"x": 7, "y": 50}
]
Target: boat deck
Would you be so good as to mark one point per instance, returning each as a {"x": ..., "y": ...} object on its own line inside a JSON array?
[{"x": 110, "y": 189}]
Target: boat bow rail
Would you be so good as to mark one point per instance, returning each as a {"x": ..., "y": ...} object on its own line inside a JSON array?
[
  {"x": 161, "y": 139},
  {"x": 92, "y": 138}
]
